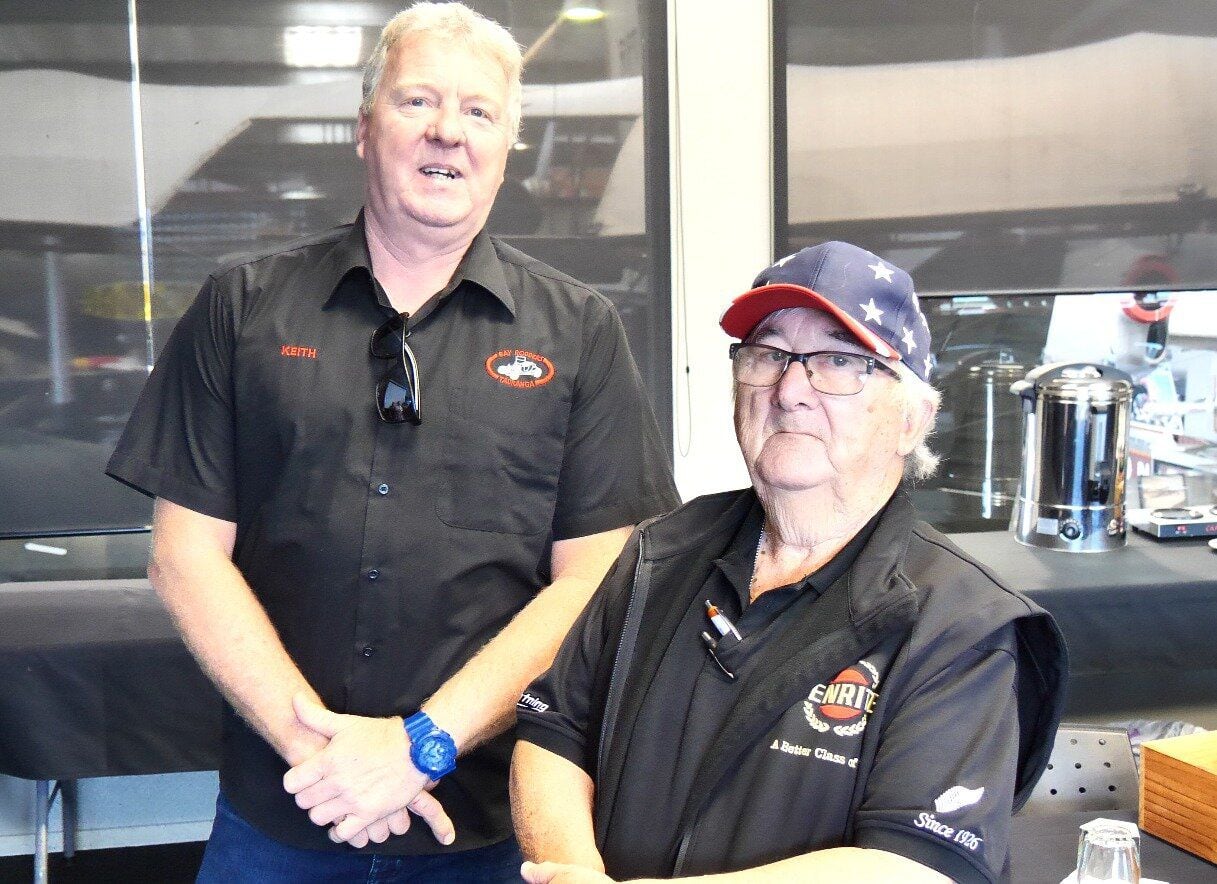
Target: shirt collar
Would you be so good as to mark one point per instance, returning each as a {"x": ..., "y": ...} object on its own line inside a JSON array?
[
  {"x": 480, "y": 265},
  {"x": 349, "y": 252},
  {"x": 739, "y": 559}
]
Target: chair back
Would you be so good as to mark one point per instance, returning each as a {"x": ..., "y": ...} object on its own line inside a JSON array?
[{"x": 1091, "y": 768}]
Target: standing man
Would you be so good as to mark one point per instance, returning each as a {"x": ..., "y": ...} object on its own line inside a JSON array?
[{"x": 391, "y": 463}]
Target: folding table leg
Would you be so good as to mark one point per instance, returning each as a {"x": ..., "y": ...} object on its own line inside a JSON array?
[
  {"x": 68, "y": 798},
  {"x": 42, "y": 812}
]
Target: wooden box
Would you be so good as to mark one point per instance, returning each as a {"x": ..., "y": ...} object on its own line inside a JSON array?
[{"x": 1179, "y": 792}]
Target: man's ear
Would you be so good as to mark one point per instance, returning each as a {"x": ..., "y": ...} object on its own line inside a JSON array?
[
  {"x": 918, "y": 417},
  {"x": 361, "y": 132}
]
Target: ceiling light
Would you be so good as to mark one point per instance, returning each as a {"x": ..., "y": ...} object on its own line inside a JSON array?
[
  {"x": 294, "y": 189},
  {"x": 328, "y": 132},
  {"x": 582, "y": 10},
  {"x": 302, "y": 193},
  {"x": 322, "y": 46},
  {"x": 520, "y": 145}
]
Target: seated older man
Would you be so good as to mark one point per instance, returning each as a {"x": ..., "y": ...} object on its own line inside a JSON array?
[{"x": 799, "y": 681}]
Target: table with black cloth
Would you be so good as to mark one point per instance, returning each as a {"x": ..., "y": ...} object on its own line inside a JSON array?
[
  {"x": 1140, "y": 622},
  {"x": 95, "y": 682},
  {"x": 1044, "y": 849}
]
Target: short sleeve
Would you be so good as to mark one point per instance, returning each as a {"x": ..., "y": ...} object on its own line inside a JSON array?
[
  {"x": 941, "y": 788},
  {"x": 560, "y": 709},
  {"x": 179, "y": 441},
  {"x": 615, "y": 467}
]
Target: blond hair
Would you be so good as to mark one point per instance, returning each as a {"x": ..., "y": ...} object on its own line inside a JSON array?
[{"x": 453, "y": 23}]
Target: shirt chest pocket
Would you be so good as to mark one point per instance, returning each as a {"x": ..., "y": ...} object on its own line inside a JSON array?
[{"x": 501, "y": 456}]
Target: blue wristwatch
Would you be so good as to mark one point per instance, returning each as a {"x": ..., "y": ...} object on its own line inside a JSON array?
[{"x": 432, "y": 750}]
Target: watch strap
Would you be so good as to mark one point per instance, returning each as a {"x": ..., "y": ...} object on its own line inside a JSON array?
[{"x": 418, "y": 725}]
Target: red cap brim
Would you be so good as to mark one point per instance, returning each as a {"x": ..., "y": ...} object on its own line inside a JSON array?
[{"x": 746, "y": 312}]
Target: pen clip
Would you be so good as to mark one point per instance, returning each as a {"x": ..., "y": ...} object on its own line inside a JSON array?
[{"x": 711, "y": 646}]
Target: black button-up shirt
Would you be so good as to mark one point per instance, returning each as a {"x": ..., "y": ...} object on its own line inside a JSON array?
[{"x": 386, "y": 555}]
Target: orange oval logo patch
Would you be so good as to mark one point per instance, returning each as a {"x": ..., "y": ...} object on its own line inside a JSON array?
[
  {"x": 844, "y": 704},
  {"x": 520, "y": 369}
]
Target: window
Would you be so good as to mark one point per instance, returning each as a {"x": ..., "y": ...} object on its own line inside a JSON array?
[
  {"x": 1018, "y": 159},
  {"x": 240, "y": 127}
]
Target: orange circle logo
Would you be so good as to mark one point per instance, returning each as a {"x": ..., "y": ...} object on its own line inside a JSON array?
[
  {"x": 520, "y": 369},
  {"x": 844, "y": 704},
  {"x": 847, "y": 697}
]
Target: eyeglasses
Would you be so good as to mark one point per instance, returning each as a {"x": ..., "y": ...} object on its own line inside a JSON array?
[
  {"x": 398, "y": 398},
  {"x": 831, "y": 372}
]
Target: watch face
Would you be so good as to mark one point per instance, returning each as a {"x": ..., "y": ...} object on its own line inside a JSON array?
[{"x": 434, "y": 754}]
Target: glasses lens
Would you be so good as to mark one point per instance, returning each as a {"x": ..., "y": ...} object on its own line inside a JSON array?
[
  {"x": 386, "y": 340},
  {"x": 396, "y": 402},
  {"x": 756, "y": 365},
  {"x": 838, "y": 374}
]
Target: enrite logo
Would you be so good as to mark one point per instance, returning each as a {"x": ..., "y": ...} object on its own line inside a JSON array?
[{"x": 843, "y": 704}]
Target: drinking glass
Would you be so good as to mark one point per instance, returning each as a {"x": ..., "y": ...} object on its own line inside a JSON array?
[{"x": 1109, "y": 855}]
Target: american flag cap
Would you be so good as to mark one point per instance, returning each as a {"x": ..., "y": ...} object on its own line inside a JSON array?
[{"x": 871, "y": 297}]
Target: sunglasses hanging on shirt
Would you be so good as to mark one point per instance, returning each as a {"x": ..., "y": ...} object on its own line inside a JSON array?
[{"x": 398, "y": 399}]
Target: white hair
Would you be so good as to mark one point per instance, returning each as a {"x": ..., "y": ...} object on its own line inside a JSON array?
[
  {"x": 456, "y": 23},
  {"x": 914, "y": 393}
]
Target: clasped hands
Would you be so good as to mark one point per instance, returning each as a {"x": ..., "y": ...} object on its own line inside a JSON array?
[
  {"x": 561, "y": 873},
  {"x": 362, "y": 783}
]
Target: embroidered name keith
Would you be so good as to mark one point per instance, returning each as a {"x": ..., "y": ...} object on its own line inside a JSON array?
[{"x": 298, "y": 352}]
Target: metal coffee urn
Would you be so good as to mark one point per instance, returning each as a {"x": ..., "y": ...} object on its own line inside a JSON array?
[{"x": 1075, "y": 439}]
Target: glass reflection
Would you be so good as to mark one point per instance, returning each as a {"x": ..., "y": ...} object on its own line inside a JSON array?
[
  {"x": 248, "y": 122},
  {"x": 984, "y": 343},
  {"x": 1007, "y": 147},
  {"x": 70, "y": 368},
  {"x": 1011, "y": 156}
]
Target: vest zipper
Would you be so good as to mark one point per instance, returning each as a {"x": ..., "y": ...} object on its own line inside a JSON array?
[{"x": 621, "y": 661}]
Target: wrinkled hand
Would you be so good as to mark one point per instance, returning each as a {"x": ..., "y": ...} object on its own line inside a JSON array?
[
  {"x": 363, "y": 781},
  {"x": 561, "y": 873}
]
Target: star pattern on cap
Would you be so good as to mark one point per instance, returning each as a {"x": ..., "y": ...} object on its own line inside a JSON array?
[
  {"x": 873, "y": 313},
  {"x": 882, "y": 309},
  {"x": 882, "y": 271}
]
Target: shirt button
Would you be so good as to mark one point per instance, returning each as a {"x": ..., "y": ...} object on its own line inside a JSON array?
[
  {"x": 368, "y": 650},
  {"x": 383, "y": 489},
  {"x": 373, "y": 574}
]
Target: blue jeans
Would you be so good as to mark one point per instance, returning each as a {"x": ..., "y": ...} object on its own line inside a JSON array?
[{"x": 237, "y": 852}]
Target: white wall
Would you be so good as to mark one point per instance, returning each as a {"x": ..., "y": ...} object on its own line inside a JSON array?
[{"x": 722, "y": 215}]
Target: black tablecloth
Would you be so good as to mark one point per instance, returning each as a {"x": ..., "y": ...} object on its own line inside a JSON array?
[
  {"x": 1043, "y": 850},
  {"x": 94, "y": 681},
  {"x": 1151, "y": 604}
]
